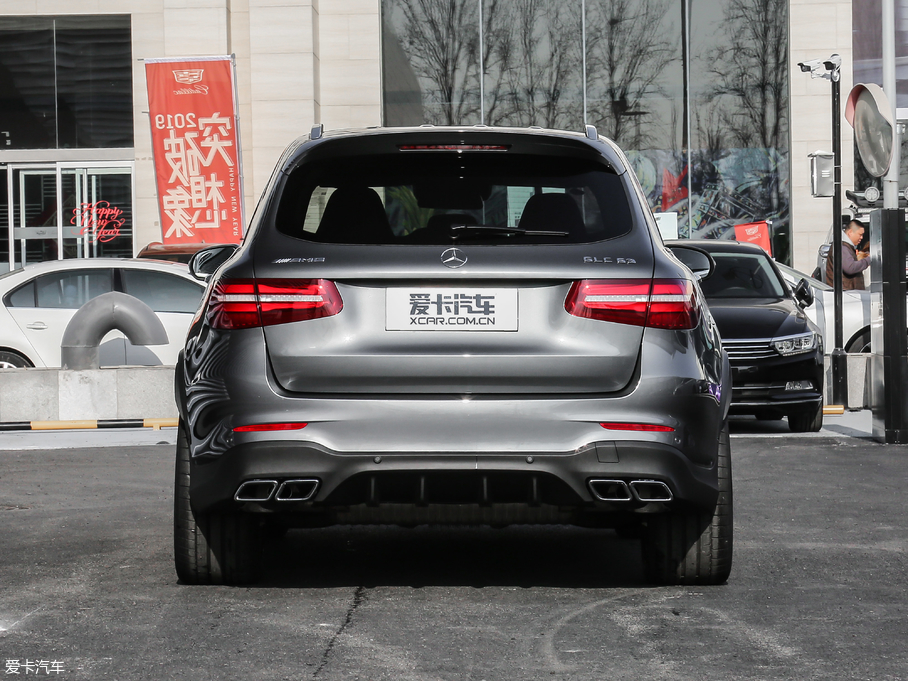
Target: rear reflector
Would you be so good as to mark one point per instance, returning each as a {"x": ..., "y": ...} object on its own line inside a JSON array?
[
  {"x": 658, "y": 303},
  {"x": 645, "y": 427},
  {"x": 246, "y": 303},
  {"x": 268, "y": 427}
]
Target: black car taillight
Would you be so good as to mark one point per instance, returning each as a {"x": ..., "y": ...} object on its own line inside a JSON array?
[
  {"x": 657, "y": 303},
  {"x": 246, "y": 303}
]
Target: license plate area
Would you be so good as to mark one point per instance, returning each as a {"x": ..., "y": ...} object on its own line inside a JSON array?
[{"x": 451, "y": 309}]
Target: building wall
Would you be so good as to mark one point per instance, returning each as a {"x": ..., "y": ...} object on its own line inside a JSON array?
[
  {"x": 300, "y": 62},
  {"x": 818, "y": 29}
]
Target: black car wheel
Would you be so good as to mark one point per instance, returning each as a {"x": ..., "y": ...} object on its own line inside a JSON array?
[
  {"x": 694, "y": 548},
  {"x": 860, "y": 344},
  {"x": 13, "y": 360},
  {"x": 209, "y": 548},
  {"x": 807, "y": 422}
]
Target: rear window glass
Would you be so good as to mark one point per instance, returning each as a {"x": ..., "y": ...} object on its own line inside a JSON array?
[
  {"x": 742, "y": 275},
  {"x": 162, "y": 292},
  {"x": 424, "y": 197},
  {"x": 71, "y": 290}
]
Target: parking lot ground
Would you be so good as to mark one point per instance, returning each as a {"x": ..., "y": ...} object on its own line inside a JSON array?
[{"x": 819, "y": 587}]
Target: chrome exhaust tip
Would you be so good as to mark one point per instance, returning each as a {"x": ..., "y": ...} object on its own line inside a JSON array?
[
  {"x": 610, "y": 490},
  {"x": 256, "y": 490},
  {"x": 297, "y": 490},
  {"x": 651, "y": 490}
]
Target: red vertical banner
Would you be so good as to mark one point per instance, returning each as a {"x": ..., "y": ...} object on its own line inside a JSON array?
[
  {"x": 755, "y": 233},
  {"x": 196, "y": 146}
]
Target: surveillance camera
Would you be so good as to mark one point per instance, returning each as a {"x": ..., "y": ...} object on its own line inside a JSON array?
[
  {"x": 811, "y": 65},
  {"x": 833, "y": 63}
]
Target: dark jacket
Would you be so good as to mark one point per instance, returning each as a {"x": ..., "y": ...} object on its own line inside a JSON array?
[{"x": 852, "y": 268}]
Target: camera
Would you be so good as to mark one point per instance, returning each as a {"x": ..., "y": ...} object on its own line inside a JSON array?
[
  {"x": 812, "y": 65},
  {"x": 823, "y": 68}
]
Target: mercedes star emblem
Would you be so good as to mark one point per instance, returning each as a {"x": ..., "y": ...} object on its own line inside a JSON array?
[{"x": 454, "y": 257}]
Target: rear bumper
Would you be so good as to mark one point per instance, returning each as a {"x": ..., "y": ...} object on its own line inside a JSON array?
[
  {"x": 350, "y": 483},
  {"x": 425, "y": 451}
]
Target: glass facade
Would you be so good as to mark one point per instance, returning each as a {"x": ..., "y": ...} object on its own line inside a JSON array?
[
  {"x": 66, "y": 85},
  {"x": 696, "y": 91},
  {"x": 65, "y": 82}
]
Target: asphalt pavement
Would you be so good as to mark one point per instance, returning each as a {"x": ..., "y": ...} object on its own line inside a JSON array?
[{"x": 818, "y": 590}]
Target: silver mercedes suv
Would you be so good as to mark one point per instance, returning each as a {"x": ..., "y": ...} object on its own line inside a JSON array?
[{"x": 453, "y": 325}]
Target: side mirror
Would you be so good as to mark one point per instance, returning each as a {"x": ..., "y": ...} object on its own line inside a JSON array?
[
  {"x": 696, "y": 259},
  {"x": 204, "y": 263},
  {"x": 803, "y": 293}
]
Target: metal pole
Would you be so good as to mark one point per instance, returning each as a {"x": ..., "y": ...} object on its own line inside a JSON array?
[
  {"x": 891, "y": 181},
  {"x": 889, "y": 368},
  {"x": 583, "y": 50},
  {"x": 839, "y": 357},
  {"x": 686, "y": 133},
  {"x": 482, "y": 66}
]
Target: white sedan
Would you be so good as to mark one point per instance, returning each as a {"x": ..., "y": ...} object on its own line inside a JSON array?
[
  {"x": 855, "y": 312},
  {"x": 38, "y": 301}
]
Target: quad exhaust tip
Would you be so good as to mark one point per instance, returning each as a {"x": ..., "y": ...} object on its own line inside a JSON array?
[
  {"x": 297, "y": 490},
  {"x": 642, "y": 490},
  {"x": 651, "y": 490},
  {"x": 256, "y": 490},
  {"x": 265, "y": 490},
  {"x": 610, "y": 490}
]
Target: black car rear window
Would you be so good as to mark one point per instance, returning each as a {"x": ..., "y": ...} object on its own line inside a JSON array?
[
  {"x": 742, "y": 275},
  {"x": 431, "y": 197}
]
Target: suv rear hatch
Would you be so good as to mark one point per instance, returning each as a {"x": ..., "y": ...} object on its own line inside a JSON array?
[{"x": 440, "y": 265}]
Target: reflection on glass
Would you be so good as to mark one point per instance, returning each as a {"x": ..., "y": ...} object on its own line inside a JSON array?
[
  {"x": 432, "y": 45},
  {"x": 27, "y": 104},
  {"x": 533, "y": 63},
  {"x": 696, "y": 92},
  {"x": 65, "y": 82},
  {"x": 634, "y": 72},
  {"x": 94, "y": 81},
  {"x": 739, "y": 104}
]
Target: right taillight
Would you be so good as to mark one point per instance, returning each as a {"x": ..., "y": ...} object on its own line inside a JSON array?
[
  {"x": 246, "y": 303},
  {"x": 658, "y": 303}
]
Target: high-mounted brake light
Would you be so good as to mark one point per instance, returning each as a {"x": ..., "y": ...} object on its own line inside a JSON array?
[
  {"x": 638, "y": 427},
  {"x": 269, "y": 427},
  {"x": 454, "y": 147},
  {"x": 658, "y": 303},
  {"x": 246, "y": 303}
]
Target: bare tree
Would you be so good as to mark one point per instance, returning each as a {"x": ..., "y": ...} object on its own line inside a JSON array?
[
  {"x": 750, "y": 72},
  {"x": 532, "y": 63},
  {"x": 627, "y": 53},
  {"x": 441, "y": 38}
]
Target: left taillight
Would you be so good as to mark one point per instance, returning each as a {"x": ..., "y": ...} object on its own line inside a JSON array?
[
  {"x": 246, "y": 303},
  {"x": 657, "y": 303}
]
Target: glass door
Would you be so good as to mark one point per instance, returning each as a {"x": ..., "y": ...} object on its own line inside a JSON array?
[
  {"x": 32, "y": 196},
  {"x": 69, "y": 210},
  {"x": 97, "y": 211}
]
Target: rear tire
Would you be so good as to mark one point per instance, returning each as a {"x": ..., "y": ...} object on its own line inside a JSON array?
[
  {"x": 694, "y": 548},
  {"x": 807, "y": 422},
  {"x": 860, "y": 344},
  {"x": 209, "y": 548},
  {"x": 13, "y": 360}
]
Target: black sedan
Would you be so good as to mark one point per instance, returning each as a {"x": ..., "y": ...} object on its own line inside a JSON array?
[{"x": 776, "y": 352}]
